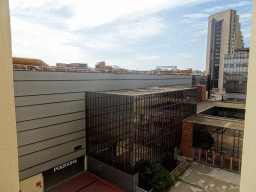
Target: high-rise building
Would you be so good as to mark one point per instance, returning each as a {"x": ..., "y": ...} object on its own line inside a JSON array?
[
  {"x": 235, "y": 75},
  {"x": 224, "y": 36}
]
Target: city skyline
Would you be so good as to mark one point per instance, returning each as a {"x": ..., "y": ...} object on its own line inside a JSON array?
[{"x": 133, "y": 36}]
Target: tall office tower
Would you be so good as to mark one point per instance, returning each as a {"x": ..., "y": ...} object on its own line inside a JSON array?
[{"x": 224, "y": 36}]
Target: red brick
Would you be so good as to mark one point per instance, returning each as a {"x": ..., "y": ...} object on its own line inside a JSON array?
[{"x": 187, "y": 139}]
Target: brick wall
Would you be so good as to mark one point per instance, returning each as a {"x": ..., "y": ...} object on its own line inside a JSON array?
[
  {"x": 187, "y": 139},
  {"x": 201, "y": 92}
]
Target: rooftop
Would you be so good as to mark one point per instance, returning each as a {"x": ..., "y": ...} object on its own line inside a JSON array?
[
  {"x": 201, "y": 106},
  {"x": 135, "y": 92},
  {"x": 221, "y": 114},
  {"x": 227, "y": 123}
]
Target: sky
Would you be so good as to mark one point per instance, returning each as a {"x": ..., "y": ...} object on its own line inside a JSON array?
[{"x": 134, "y": 34}]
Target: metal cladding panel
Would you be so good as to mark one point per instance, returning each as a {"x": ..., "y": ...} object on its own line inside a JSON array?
[
  {"x": 46, "y": 110},
  {"x": 43, "y": 99},
  {"x": 43, "y": 156},
  {"x": 28, "y": 125},
  {"x": 36, "y": 135},
  {"x": 49, "y": 87},
  {"x": 35, "y": 147},
  {"x": 50, "y": 164},
  {"x": 33, "y": 75}
]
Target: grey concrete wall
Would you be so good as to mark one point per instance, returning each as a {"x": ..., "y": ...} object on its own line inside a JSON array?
[{"x": 50, "y": 112}]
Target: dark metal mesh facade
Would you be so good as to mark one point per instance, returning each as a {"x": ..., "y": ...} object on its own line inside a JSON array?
[
  {"x": 221, "y": 140},
  {"x": 123, "y": 129}
]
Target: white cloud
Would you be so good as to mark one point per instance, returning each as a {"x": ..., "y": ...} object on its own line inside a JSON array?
[
  {"x": 193, "y": 40},
  {"x": 35, "y": 41},
  {"x": 246, "y": 15},
  {"x": 246, "y": 32},
  {"x": 203, "y": 32},
  {"x": 98, "y": 12},
  {"x": 186, "y": 55},
  {"x": 196, "y": 16},
  {"x": 229, "y": 6},
  {"x": 28, "y": 3},
  {"x": 247, "y": 35},
  {"x": 146, "y": 27},
  {"x": 101, "y": 42},
  {"x": 244, "y": 18},
  {"x": 148, "y": 57}
]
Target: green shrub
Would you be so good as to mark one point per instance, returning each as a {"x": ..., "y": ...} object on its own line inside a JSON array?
[{"x": 157, "y": 177}]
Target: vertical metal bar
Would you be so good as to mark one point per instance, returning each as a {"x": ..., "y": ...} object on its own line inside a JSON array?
[
  {"x": 125, "y": 111},
  {"x": 234, "y": 143},
  {"x": 238, "y": 144},
  {"x": 239, "y": 165},
  {"x": 193, "y": 153},
  {"x": 221, "y": 140},
  {"x": 99, "y": 123},
  {"x": 199, "y": 154},
  {"x": 142, "y": 112},
  {"x": 118, "y": 108},
  {"x": 131, "y": 131},
  {"x": 95, "y": 123},
  {"x": 231, "y": 164},
  {"x": 144, "y": 124},
  {"x": 122, "y": 131},
  {"x": 217, "y": 140}
]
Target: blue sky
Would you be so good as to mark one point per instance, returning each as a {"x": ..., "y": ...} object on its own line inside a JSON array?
[{"x": 134, "y": 34}]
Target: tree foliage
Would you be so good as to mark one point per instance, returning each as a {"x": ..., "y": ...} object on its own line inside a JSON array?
[{"x": 157, "y": 177}]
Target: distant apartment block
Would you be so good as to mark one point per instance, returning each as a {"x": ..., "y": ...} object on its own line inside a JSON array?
[
  {"x": 235, "y": 75},
  {"x": 224, "y": 36}
]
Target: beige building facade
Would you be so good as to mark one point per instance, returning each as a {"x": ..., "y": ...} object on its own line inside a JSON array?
[{"x": 224, "y": 36}]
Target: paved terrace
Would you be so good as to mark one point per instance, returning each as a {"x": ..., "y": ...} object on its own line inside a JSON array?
[{"x": 200, "y": 177}]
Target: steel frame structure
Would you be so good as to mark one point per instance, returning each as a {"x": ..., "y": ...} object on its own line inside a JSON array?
[{"x": 122, "y": 129}]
